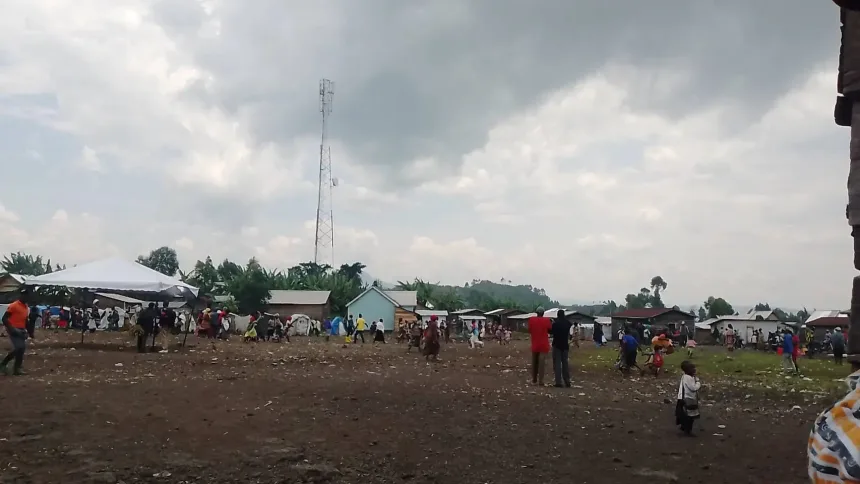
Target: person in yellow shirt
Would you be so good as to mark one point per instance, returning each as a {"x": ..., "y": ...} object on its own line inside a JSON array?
[{"x": 360, "y": 327}]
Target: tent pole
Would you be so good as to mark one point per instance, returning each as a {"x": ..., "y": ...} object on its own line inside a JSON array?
[{"x": 185, "y": 330}]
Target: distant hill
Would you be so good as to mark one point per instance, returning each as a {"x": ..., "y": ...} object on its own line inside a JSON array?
[{"x": 488, "y": 295}]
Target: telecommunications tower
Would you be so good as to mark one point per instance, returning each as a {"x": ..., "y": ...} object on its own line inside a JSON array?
[{"x": 324, "y": 244}]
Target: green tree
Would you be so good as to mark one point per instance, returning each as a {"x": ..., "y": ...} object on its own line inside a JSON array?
[
  {"x": 658, "y": 285},
  {"x": 352, "y": 271},
  {"x": 717, "y": 306},
  {"x": 227, "y": 270},
  {"x": 762, "y": 307},
  {"x": 308, "y": 269},
  {"x": 424, "y": 289},
  {"x": 162, "y": 259},
  {"x": 446, "y": 299},
  {"x": 204, "y": 277},
  {"x": 703, "y": 314},
  {"x": 250, "y": 289},
  {"x": 803, "y": 315},
  {"x": 24, "y": 264},
  {"x": 638, "y": 301}
]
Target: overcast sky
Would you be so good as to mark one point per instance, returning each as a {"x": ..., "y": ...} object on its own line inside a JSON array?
[{"x": 571, "y": 145}]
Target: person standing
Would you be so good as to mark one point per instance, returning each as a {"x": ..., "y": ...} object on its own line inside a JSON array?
[
  {"x": 360, "y": 326},
  {"x": 539, "y": 329},
  {"x": 788, "y": 351},
  {"x": 146, "y": 321},
  {"x": 837, "y": 341},
  {"x": 597, "y": 335},
  {"x": 215, "y": 324},
  {"x": 379, "y": 334},
  {"x": 687, "y": 408},
  {"x": 15, "y": 320},
  {"x": 629, "y": 349},
  {"x": 561, "y": 349},
  {"x": 729, "y": 338},
  {"x": 431, "y": 339}
]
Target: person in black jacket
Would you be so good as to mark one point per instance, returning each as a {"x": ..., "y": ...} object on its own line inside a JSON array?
[
  {"x": 146, "y": 321},
  {"x": 561, "y": 349}
]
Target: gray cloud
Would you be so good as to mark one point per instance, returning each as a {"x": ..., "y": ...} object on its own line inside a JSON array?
[{"x": 428, "y": 81}]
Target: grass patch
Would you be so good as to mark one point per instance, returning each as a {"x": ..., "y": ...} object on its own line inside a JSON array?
[{"x": 751, "y": 369}]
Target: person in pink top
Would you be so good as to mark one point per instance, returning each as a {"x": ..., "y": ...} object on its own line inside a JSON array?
[{"x": 539, "y": 329}]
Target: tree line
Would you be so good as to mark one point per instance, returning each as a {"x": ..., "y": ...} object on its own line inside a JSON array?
[
  {"x": 248, "y": 286},
  {"x": 651, "y": 296}
]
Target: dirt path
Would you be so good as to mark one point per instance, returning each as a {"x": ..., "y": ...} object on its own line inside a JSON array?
[{"x": 304, "y": 412}]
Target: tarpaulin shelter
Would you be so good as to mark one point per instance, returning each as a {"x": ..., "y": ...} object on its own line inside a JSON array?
[
  {"x": 114, "y": 275},
  {"x": 117, "y": 275}
]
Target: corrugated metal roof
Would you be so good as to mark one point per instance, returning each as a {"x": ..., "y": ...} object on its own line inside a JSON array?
[
  {"x": 299, "y": 297},
  {"x": 750, "y": 315},
  {"x": 828, "y": 313},
  {"x": 120, "y": 298},
  {"x": 646, "y": 313},
  {"x": 464, "y": 311},
  {"x": 830, "y": 322},
  {"x": 404, "y": 298},
  {"x": 430, "y": 312},
  {"x": 494, "y": 312},
  {"x": 18, "y": 277},
  {"x": 522, "y": 316},
  {"x": 375, "y": 289},
  {"x": 551, "y": 313}
]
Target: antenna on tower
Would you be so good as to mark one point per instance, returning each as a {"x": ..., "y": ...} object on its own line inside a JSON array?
[{"x": 324, "y": 244}]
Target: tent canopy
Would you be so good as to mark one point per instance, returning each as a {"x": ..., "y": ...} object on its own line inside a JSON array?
[{"x": 113, "y": 275}]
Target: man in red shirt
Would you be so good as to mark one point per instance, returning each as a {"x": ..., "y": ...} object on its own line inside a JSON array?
[
  {"x": 539, "y": 328},
  {"x": 15, "y": 321}
]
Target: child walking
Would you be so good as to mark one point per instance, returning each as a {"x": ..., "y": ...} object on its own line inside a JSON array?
[{"x": 687, "y": 408}]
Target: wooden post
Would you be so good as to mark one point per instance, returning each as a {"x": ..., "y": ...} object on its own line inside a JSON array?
[{"x": 187, "y": 327}]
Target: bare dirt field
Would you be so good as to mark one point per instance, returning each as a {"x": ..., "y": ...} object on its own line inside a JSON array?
[{"x": 311, "y": 411}]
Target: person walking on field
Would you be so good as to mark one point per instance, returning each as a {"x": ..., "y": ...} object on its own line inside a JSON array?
[
  {"x": 561, "y": 349},
  {"x": 15, "y": 322},
  {"x": 360, "y": 327},
  {"x": 539, "y": 329}
]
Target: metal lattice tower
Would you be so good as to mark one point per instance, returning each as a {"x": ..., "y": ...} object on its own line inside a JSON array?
[{"x": 324, "y": 244}]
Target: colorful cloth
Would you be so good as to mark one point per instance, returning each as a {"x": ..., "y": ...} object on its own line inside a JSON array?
[{"x": 833, "y": 443}]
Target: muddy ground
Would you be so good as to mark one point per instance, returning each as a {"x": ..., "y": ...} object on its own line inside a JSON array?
[{"x": 316, "y": 412}]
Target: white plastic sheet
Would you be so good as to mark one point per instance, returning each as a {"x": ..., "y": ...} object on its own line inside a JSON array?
[{"x": 112, "y": 275}]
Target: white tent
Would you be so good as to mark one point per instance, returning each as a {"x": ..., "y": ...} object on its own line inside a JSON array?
[{"x": 112, "y": 275}]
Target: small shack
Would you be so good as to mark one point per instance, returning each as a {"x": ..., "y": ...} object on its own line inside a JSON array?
[
  {"x": 9, "y": 285},
  {"x": 820, "y": 326},
  {"x": 501, "y": 315},
  {"x": 426, "y": 314},
  {"x": 374, "y": 304},
  {"x": 314, "y": 304},
  {"x": 669, "y": 318}
]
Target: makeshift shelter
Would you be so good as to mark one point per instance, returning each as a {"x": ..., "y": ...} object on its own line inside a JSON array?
[{"x": 114, "y": 275}]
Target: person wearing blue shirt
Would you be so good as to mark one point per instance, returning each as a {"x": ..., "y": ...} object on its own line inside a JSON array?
[
  {"x": 629, "y": 350},
  {"x": 787, "y": 351}
]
